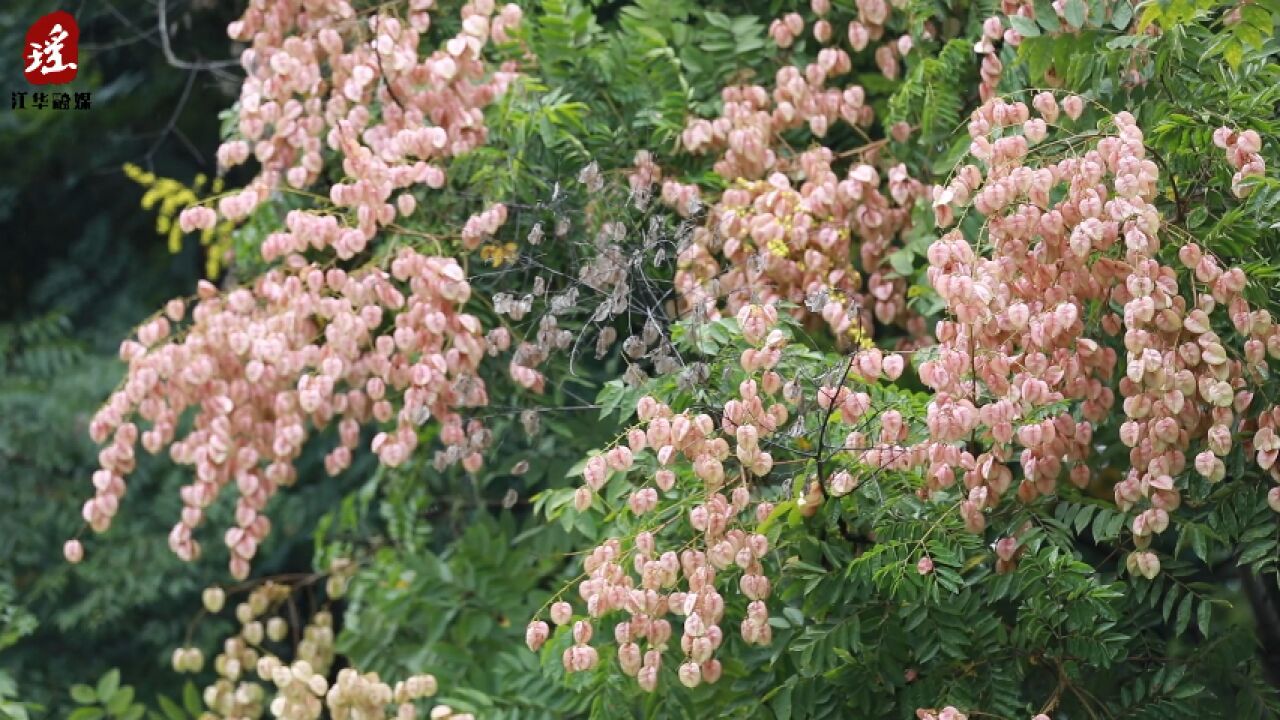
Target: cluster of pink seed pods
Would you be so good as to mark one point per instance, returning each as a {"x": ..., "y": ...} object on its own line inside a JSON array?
[
  {"x": 788, "y": 225},
  {"x": 258, "y": 368},
  {"x": 314, "y": 70},
  {"x": 689, "y": 450},
  {"x": 1243, "y": 151},
  {"x": 1021, "y": 334}
]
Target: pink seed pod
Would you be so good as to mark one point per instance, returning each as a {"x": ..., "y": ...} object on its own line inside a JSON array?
[
  {"x": 579, "y": 658},
  {"x": 666, "y": 454},
  {"x": 1146, "y": 564},
  {"x": 637, "y": 440},
  {"x": 782, "y": 37},
  {"x": 73, "y": 551},
  {"x": 893, "y": 366},
  {"x": 755, "y": 587},
  {"x": 643, "y": 500},
  {"x": 648, "y": 678},
  {"x": 620, "y": 458},
  {"x": 659, "y": 633},
  {"x": 582, "y": 632},
  {"x": 859, "y": 36},
  {"x": 992, "y": 28},
  {"x": 1073, "y": 106},
  {"x": 536, "y": 634},
  {"x": 842, "y": 483},
  {"x": 596, "y": 472},
  {"x": 582, "y": 499},
  {"x": 822, "y": 31},
  {"x": 925, "y": 566},
  {"x": 561, "y": 612},
  {"x": 646, "y": 408},
  {"x": 645, "y": 543},
  {"x": 629, "y": 658},
  {"x": 690, "y": 674},
  {"x": 1006, "y": 548},
  {"x": 698, "y": 518}
]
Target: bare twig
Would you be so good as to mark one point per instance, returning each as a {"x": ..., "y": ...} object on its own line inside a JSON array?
[
  {"x": 213, "y": 66},
  {"x": 172, "y": 125}
]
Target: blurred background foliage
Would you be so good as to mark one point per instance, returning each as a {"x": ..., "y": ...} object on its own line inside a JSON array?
[{"x": 81, "y": 265}]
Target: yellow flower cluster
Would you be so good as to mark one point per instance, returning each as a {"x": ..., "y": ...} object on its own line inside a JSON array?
[
  {"x": 497, "y": 255},
  {"x": 169, "y": 197}
]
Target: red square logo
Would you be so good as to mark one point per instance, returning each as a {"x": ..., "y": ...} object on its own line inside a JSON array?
[{"x": 51, "y": 52}]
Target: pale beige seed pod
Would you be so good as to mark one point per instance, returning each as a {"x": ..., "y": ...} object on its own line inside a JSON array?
[
  {"x": 382, "y": 692},
  {"x": 281, "y": 676},
  {"x": 214, "y": 598},
  {"x": 244, "y": 613},
  {"x": 307, "y": 649},
  {"x": 427, "y": 686},
  {"x": 318, "y": 685},
  {"x": 179, "y": 660},
  {"x": 245, "y": 695},
  {"x": 441, "y": 712},
  {"x": 259, "y": 601},
  {"x": 335, "y": 586},
  {"x": 267, "y": 665},
  {"x": 252, "y": 633},
  {"x": 277, "y": 629},
  {"x": 194, "y": 660}
]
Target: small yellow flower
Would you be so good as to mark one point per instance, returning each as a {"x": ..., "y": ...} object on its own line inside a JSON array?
[
  {"x": 175, "y": 235},
  {"x": 497, "y": 255},
  {"x": 860, "y": 338}
]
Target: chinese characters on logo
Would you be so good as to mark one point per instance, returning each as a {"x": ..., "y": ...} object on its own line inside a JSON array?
[
  {"x": 52, "y": 50},
  {"x": 42, "y": 100},
  {"x": 51, "y": 56}
]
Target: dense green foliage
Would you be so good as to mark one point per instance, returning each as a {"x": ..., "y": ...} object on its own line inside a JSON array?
[{"x": 83, "y": 265}]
